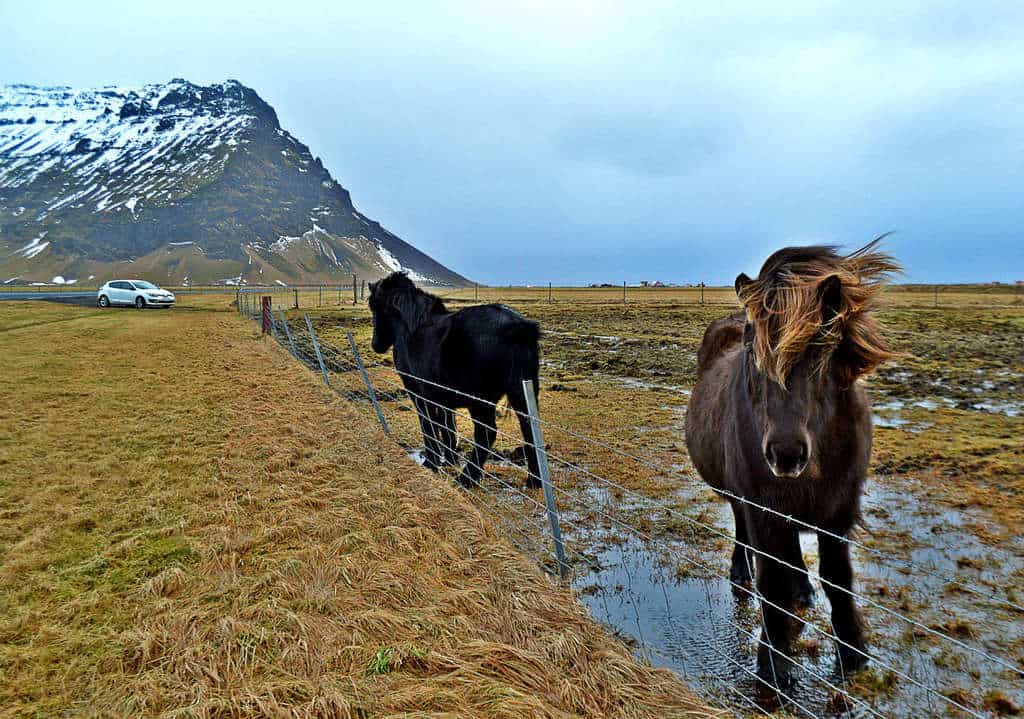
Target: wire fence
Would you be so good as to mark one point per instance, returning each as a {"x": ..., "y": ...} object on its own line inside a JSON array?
[{"x": 622, "y": 514}]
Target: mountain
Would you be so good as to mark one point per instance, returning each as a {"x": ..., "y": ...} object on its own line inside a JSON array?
[{"x": 178, "y": 184}]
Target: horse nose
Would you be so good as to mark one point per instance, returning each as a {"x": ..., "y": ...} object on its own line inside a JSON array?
[{"x": 786, "y": 458}]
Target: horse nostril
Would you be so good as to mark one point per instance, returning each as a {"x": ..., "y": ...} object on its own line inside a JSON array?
[{"x": 786, "y": 456}]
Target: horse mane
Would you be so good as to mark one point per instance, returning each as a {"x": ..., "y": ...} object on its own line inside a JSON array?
[
  {"x": 794, "y": 304},
  {"x": 411, "y": 303}
]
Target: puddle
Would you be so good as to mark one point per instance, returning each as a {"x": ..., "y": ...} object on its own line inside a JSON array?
[{"x": 697, "y": 627}]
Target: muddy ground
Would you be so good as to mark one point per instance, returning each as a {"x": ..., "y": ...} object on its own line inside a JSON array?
[{"x": 941, "y": 566}]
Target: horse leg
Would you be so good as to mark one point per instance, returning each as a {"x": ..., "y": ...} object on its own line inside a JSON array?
[
  {"x": 846, "y": 619},
  {"x": 444, "y": 429},
  {"x": 741, "y": 572},
  {"x": 775, "y": 541},
  {"x": 484, "y": 432},
  {"x": 803, "y": 593},
  {"x": 431, "y": 455},
  {"x": 517, "y": 401}
]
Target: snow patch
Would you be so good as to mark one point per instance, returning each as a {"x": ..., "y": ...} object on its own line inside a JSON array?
[
  {"x": 392, "y": 263},
  {"x": 34, "y": 247}
]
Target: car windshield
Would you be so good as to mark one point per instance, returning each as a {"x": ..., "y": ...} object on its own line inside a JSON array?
[{"x": 143, "y": 285}]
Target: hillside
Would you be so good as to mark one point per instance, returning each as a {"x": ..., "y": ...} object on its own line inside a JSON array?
[{"x": 179, "y": 184}]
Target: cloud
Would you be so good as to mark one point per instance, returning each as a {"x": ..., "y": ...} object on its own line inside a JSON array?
[{"x": 566, "y": 140}]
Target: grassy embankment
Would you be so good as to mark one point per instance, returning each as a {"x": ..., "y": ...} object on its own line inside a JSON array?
[{"x": 189, "y": 523}]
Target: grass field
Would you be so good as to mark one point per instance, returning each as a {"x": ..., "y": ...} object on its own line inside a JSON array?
[
  {"x": 946, "y": 489},
  {"x": 190, "y": 525}
]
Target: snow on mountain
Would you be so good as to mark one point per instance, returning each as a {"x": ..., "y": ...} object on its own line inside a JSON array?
[
  {"x": 176, "y": 177},
  {"x": 142, "y": 136}
]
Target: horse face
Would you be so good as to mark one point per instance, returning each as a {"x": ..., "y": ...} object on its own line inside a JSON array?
[
  {"x": 786, "y": 441},
  {"x": 383, "y": 323}
]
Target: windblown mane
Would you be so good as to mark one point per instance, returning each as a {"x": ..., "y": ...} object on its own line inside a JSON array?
[
  {"x": 789, "y": 311},
  {"x": 409, "y": 301}
]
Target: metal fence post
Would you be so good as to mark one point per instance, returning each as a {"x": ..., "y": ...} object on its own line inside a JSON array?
[
  {"x": 288, "y": 331},
  {"x": 623, "y": 292},
  {"x": 545, "y": 476},
  {"x": 369, "y": 385},
  {"x": 273, "y": 326},
  {"x": 316, "y": 348},
  {"x": 296, "y": 299}
]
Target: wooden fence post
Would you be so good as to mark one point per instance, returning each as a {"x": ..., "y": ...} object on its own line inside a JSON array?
[
  {"x": 265, "y": 312},
  {"x": 545, "y": 477}
]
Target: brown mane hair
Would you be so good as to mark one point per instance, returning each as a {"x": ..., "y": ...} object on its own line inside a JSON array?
[{"x": 795, "y": 304}]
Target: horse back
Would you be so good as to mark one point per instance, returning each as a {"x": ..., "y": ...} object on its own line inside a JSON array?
[
  {"x": 484, "y": 351},
  {"x": 720, "y": 335}
]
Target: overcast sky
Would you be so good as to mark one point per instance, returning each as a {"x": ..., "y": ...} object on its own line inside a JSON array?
[{"x": 581, "y": 142}]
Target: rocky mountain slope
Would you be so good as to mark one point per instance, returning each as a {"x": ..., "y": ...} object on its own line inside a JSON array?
[{"x": 179, "y": 184}]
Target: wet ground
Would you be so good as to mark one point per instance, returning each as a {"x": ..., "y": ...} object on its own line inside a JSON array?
[{"x": 940, "y": 566}]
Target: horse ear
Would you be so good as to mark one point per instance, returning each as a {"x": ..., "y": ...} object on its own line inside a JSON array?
[
  {"x": 741, "y": 281},
  {"x": 831, "y": 293}
]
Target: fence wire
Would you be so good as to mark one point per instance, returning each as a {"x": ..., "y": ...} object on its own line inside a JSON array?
[{"x": 532, "y": 534}]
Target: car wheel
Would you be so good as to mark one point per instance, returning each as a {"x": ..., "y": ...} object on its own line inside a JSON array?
[
  {"x": 104, "y": 302},
  {"x": 139, "y": 303}
]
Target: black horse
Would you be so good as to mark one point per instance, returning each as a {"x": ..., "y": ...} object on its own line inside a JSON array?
[
  {"x": 483, "y": 352},
  {"x": 777, "y": 417}
]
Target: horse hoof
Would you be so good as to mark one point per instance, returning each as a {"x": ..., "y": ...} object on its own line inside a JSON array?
[
  {"x": 850, "y": 660},
  {"x": 532, "y": 483},
  {"x": 466, "y": 481},
  {"x": 770, "y": 682},
  {"x": 805, "y": 597}
]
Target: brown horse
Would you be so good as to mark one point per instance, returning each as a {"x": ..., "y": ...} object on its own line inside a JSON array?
[{"x": 778, "y": 418}]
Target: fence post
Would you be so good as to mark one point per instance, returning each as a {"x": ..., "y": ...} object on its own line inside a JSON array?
[
  {"x": 288, "y": 331},
  {"x": 545, "y": 476},
  {"x": 936, "y": 295},
  {"x": 296, "y": 298},
  {"x": 362, "y": 289},
  {"x": 476, "y": 291},
  {"x": 355, "y": 290},
  {"x": 369, "y": 385},
  {"x": 702, "y": 293},
  {"x": 316, "y": 348},
  {"x": 549, "y": 293},
  {"x": 623, "y": 292},
  {"x": 265, "y": 312}
]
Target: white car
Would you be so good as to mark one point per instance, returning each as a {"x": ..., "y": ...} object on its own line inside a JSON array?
[{"x": 133, "y": 292}]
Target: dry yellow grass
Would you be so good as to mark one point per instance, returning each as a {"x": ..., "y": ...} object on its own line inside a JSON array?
[{"x": 192, "y": 526}]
